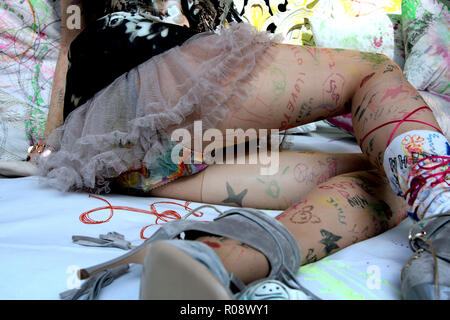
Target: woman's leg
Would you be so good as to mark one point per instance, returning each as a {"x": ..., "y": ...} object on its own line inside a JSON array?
[
  {"x": 342, "y": 211},
  {"x": 243, "y": 185},
  {"x": 305, "y": 84},
  {"x": 339, "y": 206}
]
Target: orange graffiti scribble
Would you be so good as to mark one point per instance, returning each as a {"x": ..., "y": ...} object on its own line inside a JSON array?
[
  {"x": 413, "y": 143},
  {"x": 165, "y": 216}
]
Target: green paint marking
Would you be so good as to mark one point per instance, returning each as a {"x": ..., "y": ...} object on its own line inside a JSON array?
[
  {"x": 279, "y": 83},
  {"x": 381, "y": 209},
  {"x": 330, "y": 284},
  {"x": 375, "y": 58},
  {"x": 261, "y": 180},
  {"x": 37, "y": 99},
  {"x": 273, "y": 190},
  {"x": 356, "y": 282},
  {"x": 40, "y": 4},
  {"x": 323, "y": 270},
  {"x": 445, "y": 89}
]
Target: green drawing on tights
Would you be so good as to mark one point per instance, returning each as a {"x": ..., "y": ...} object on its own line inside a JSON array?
[
  {"x": 445, "y": 89},
  {"x": 375, "y": 58},
  {"x": 273, "y": 188},
  {"x": 381, "y": 209},
  {"x": 278, "y": 82}
]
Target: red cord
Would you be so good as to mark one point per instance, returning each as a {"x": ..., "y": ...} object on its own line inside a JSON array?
[
  {"x": 399, "y": 123},
  {"x": 419, "y": 181},
  {"x": 164, "y": 216}
]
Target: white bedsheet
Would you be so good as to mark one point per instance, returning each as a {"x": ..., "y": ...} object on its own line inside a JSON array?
[{"x": 38, "y": 259}]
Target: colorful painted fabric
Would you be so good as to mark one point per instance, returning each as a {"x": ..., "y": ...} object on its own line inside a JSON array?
[
  {"x": 366, "y": 26},
  {"x": 372, "y": 26},
  {"x": 161, "y": 172},
  {"x": 29, "y": 48},
  {"x": 426, "y": 36}
]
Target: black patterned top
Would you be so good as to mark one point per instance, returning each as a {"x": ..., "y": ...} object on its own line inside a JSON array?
[
  {"x": 202, "y": 15},
  {"x": 125, "y": 33}
]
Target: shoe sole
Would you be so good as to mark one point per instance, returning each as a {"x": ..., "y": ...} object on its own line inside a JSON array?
[{"x": 171, "y": 274}]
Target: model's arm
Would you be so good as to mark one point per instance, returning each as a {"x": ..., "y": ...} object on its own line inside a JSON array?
[{"x": 69, "y": 31}]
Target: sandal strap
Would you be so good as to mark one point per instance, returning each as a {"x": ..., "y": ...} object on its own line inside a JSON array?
[
  {"x": 249, "y": 226},
  {"x": 112, "y": 239},
  {"x": 94, "y": 284}
]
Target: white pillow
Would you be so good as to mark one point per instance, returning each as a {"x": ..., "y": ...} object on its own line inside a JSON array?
[
  {"x": 426, "y": 36},
  {"x": 440, "y": 104},
  {"x": 372, "y": 33}
]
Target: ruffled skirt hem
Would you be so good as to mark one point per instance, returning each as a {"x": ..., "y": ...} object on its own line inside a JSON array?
[{"x": 125, "y": 126}]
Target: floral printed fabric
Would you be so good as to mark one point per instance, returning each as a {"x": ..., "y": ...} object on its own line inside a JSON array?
[
  {"x": 163, "y": 171},
  {"x": 426, "y": 36}
]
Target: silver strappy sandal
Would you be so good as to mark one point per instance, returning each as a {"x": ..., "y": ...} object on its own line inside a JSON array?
[
  {"x": 175, "y": 269},
  {"x": 426, "y": 276}
]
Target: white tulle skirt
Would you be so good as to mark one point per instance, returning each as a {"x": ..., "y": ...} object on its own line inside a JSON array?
[{"x": 125, "y": 126}]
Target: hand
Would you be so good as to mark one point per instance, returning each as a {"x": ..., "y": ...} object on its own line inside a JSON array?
[{"x": 35, "y": 152}]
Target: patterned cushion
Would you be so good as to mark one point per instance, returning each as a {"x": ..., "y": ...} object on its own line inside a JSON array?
[
  {"x": 368, "y": 27},
  {"x": 426, "y": 37}
]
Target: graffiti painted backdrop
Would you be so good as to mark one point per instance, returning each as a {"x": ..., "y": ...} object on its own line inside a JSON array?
[{"x": 29, "y": 46}]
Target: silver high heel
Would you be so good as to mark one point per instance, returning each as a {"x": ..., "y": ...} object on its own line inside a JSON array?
[{"x": 171, "y": 265}]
